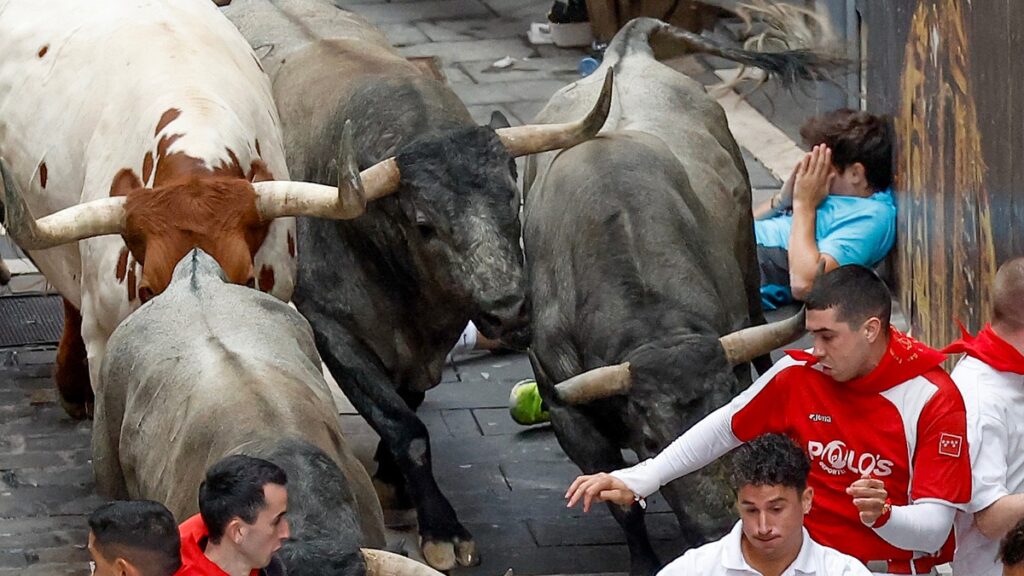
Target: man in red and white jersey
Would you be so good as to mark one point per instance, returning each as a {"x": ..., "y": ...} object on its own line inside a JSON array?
[
  {"x": 990, "y": 377},
  {"x": 883, "y": 425}
]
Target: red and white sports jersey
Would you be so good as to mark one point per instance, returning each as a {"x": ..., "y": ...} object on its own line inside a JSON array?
[{"x": 903, "y": 423}]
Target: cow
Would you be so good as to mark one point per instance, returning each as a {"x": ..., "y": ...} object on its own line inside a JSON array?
[
  {"x": 136, "y": 131},
  {"x": 209, "y": 369},
  {"x": 643, "y": 273},
  {"x": 389, "y": 294}
]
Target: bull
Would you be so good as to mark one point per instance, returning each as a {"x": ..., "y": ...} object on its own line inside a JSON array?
[
  {"x": 136, "y": 132},
  {"x": 388, "y": 294},
  {"x": 643, "y": 273},
  {"x": 209, "y": 369}
]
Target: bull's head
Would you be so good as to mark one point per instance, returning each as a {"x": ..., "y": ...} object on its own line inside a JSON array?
[
  {"x": 223, "y": 214},
  {"x": 739, "y": 347},
  {"x": 460, "y": 215}
]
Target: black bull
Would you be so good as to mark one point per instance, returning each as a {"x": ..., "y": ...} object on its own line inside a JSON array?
[
  {"x": 640, "y": 256},
  {"x": 389, "y": 293}
]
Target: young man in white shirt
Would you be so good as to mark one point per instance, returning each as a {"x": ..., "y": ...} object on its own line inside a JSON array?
[
  {"x": 772, "y": 497},
  {"x": 990, "y": 377}
]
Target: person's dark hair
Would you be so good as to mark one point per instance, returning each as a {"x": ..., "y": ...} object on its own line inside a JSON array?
[
  {"x": 234, "y": 488},
  {"x": 1011, "y": 549},
  {"x": 770, "y": 460},
  {"x": 142, "y": 532},
  {"x": 855, "y": 136},
  {"x": 856, "y": 293}
]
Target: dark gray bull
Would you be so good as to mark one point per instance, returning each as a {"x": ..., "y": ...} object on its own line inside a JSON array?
[
  {"x": 209, "y": 369},
  {"x": 388, "y": 296},
  {"x": 640, "y": 254}
]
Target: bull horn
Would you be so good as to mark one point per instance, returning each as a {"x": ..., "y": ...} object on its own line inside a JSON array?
[
  {"x": 93, "y": 218},
  {"x": 536, "y": 138},
  {"x": 275, "y": 199},
  {"x": 381, "y": 563},
  {"x": 749, "y": 343},
  {"x": 595, "y": 384}
]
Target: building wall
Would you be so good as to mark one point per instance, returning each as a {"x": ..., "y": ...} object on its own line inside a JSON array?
[{"x": 950, "y": 73}]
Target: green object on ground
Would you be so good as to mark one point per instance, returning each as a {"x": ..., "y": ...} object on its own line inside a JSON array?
[{"x": 525, "y": 404}]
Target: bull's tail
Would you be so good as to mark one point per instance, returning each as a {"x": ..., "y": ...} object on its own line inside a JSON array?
[{"x": 783, "y": 49}]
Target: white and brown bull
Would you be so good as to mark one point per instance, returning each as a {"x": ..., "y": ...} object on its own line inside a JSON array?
[
  {"x": 136, "y": 131},
  {"x": 208, "y": 369}
]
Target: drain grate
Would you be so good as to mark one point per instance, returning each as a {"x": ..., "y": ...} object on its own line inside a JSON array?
[{"x": 30, "y": 319}]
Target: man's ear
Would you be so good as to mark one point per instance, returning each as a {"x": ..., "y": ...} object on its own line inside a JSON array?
[
  {"x": 857, "y": 172},
  {"x": 873, "y": 329},
  {"x": 234, "y": 530},
  {"x": 806, "y": 499},
  {"x": 123, "y": 568}
]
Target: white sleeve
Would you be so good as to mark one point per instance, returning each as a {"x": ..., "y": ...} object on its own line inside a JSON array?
[
  {"x": 988, "y": 448},
  {"x": 696, "y": 448},
  {"x": 699, "y": 446},
  {"x": 920, "y": 527}
]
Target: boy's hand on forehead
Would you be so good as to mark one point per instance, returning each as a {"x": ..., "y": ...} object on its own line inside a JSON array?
[{"x": 813, "y": 177}]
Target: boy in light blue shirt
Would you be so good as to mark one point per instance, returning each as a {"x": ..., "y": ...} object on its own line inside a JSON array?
[{"x": 836, "y": 207}]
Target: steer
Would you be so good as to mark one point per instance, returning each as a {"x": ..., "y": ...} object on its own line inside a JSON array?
[
  {"x": 388, "y": 294},
  {"x": 209, "y": 369},
  {"x": 136, "y": 131},
  {"x": 640, "y": 253}
]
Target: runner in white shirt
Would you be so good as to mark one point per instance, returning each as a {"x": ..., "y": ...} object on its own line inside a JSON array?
[
  {"x": 772, "y": 497},
  {"x": 990, "y": 377}
]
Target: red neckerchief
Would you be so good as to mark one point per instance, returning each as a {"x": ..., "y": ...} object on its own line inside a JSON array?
[
  {"x": 193, "y": 560},
  {"x": 904, "y": 359},
  {"x": 989, "y": 348}
]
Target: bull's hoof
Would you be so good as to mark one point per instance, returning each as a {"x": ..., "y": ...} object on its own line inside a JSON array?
[
  {"x": 77, "y": 410},
  {"x": 444, "y": 555}
]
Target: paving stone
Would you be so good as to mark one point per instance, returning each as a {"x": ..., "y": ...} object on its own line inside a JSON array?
[
  {"x": 473, "y": 29},
  {"x": 413, "y": 11},
  {"x": 496, "y": 422},
  {"x": 468, "y": 50},
  {"x": 528, "y": 474},
  {"x": 564, "y": 560},
  {"x": 588, "y": 531},
  {"x": 403, "y": 34},
  {"x": 532, "y": 10},
  {"x": 461, "y": 423},
  {"x": 563, "y": 68},
  {"x": 527, "y": 110},
  {"x": 482, "y": 394},
  {"x": 455, "y": 74},
  {"x": 470, "y": 479}
]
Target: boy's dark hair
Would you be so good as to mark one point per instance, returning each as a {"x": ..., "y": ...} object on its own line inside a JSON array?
[
  {"x": 856, "y": 293},
  {"x": 234, "y": 488},
  {"x": 1011, "y": 549},
  {"x": 855, "y": 136},
  {"x": 770, "y": 460},
  {"x": 142, "y": 532}
]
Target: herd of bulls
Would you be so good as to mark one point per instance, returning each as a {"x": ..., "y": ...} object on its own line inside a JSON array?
[{"x": 157, "y": 168}]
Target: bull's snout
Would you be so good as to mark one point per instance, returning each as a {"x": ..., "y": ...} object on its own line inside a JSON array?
[{"x": 507, "y": 320}]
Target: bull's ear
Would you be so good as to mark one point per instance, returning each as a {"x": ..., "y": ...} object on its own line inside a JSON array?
[{"x": 498, "y": 121}]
